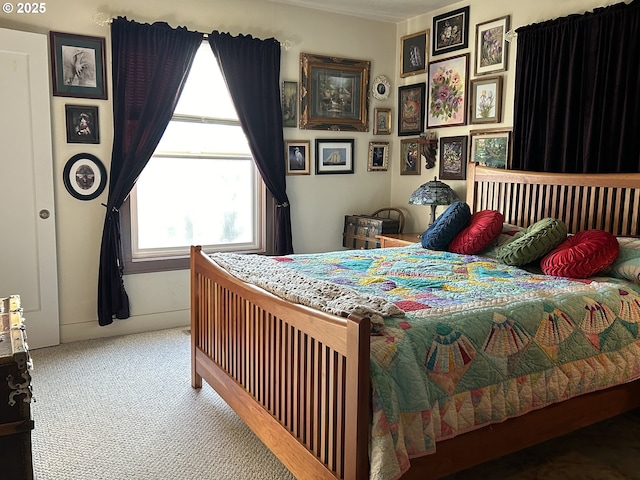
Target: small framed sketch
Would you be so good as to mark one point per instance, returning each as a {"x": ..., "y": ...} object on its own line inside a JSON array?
[
  {"x": 382, "y": 121},
  {"x": 289, "y": 104},
  {"x": 413, "y": 54},
  {"x": 411, "y": 105},
  {"x": 453, "y": 158},
  {"x": 448, "y": 92},
  {"x": 78, "y": 64},
  {"x": 409, "y": 156},
  {"x": 82, "y": 124},
  {"x": 378, "y": 157},
  {"x": 491, "y": 148},
  {"x": 451, "y": 31},
  {"x": 491, "y": 49},
  {"x": 486, "y": 100},
  {"x": 298, "y": 154},
  {"x": 334, "y": 156}
]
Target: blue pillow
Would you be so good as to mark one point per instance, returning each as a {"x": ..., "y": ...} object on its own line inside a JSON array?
[{"x": 447, "y": 226}]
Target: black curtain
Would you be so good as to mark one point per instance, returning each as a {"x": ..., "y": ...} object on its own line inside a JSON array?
[
  {"x": 251, "y": 69},
  {"x": 577, "y": 93},
  {"x": 150, "y": 66}
]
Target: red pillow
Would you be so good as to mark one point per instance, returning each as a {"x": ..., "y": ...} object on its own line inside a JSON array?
[
  {"x": 581, "y": 255},
  {"x": 483, "y": 228}
]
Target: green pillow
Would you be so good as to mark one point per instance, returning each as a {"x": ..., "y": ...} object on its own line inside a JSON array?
[{"x": 537, "y": 240}]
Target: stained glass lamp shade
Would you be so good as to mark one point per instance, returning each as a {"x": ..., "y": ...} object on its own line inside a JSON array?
[{"x": 433, "y": 193}]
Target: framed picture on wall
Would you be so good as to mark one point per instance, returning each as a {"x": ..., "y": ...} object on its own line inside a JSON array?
[
  {"x": 78, "y": 64},
  {"x": 450, "y": 31},
  {"x": 491, "y": 46},
  {"x": 453, "y": 158},
  {"x": 378, "y": 157},
  {"x": 298, "y": 155},
  {"x": 334, "y": 156},
  {"x": 82, "y": 124},
  {"x": 447, "y": 103},
  {"x": 486, "y": 100},
  {"x": 382, "y": 121},
  {"x": 491, "y": 148},
  {"x": 411, "y": 105},
  {"x": 334, "y": 93},
  {"x": 289, "y": 104},
  {"x": 413, "y": 53},
  {"x": 409, "y": 157}
]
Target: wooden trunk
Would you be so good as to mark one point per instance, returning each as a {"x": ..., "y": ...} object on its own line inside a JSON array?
[
  {"x": 15, "y": 393},
  {"x": 360, "y": 230}
]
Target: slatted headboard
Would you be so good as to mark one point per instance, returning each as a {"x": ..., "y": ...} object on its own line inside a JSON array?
[{"x": 605, "y": 201}]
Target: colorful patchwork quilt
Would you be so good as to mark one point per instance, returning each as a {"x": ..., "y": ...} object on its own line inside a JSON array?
[{"x": 479, "y": 342}]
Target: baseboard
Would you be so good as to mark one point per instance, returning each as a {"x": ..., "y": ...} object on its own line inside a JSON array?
[{"x": 143, "y": 323}]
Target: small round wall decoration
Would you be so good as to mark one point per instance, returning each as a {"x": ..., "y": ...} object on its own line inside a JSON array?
[{"x": 84, "y": 176}]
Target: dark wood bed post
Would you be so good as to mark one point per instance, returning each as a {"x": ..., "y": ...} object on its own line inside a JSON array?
[{"x": 196, "y": 379}]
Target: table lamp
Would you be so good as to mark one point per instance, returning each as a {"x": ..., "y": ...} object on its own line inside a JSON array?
[{"x": 433, "y": 193}]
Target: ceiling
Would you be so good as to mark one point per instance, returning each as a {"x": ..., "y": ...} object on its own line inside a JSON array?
[{"x": 383, "y": 10}]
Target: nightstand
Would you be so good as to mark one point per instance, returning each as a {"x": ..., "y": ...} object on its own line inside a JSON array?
[{"x": 398, "y": 239}]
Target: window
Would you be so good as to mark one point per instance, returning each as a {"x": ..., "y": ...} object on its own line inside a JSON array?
[{"x": 201, "y": 186}]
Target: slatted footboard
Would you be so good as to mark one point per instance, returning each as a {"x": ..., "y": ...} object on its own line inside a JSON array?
[{"x": 299, "y": 378}]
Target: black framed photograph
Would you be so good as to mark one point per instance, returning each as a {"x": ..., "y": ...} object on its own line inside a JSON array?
[
  {"x": 334, "y": 93},
  {"x": 413, "y": 53},
  {"x": 289, "y": 104},
  {"x": 491, "y": 47},
  {"x": 491, "y": 148},
  {"x": 409, "y": 156},
  {"x": 78, "y": 65},
  {"x": 334, "y": 156},
  {"x": 485, "y": 100},
  {"x": 298, "y": 157},
  {"x": 82, "y": 124},
  {"x": 448, "y": 92},
  {"x": 84, "y": 176},
  {"x": 378, "y": 157},
  {"x": 411, "y": 108},
  {"x": 451, "y": 31},
  {"x": 453, "y": 158},
  {"x": 382, "y": 121}
]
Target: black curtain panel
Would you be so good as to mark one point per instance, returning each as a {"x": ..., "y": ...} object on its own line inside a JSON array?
[
  {"x": 251, "y": 69},
  {"x": 577, "y": 93},
  {"x": 150, "y": 66}
]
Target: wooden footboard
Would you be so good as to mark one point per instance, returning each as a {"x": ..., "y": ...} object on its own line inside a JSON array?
[{"x": 299, "y": 378}]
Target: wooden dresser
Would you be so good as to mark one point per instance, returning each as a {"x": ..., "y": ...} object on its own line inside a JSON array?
[
  {"x": 15, "y": 393},
  {"x": 398, "y": 239}
]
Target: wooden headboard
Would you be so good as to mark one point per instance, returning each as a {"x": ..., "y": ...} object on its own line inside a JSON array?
[{"x": 605, "y": 201}]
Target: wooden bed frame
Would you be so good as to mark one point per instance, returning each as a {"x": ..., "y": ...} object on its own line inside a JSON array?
[{"x": 299, "y": 378}]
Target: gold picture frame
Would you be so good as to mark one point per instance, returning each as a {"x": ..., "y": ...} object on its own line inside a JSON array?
[
  {"x": 334, "y": 93},
  {"x": 414, "y": 53},
  {"x": 381, "y": 121},
  {"x": 298, "y": 157},
  {"x": 378, "y": 157}
]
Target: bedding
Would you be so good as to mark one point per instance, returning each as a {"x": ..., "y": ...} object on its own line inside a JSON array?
[{"x": 479, "y": 341}]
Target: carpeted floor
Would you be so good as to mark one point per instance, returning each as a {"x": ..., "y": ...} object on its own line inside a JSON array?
[{"x": 123, "y": 409}]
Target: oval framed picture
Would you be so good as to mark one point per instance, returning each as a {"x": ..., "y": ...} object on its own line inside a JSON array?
[
  {"x": 84, "y": 176},
  {"x": 381, "y": 87}
]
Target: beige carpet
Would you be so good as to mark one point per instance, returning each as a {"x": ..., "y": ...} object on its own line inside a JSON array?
[{"x": 123, "y": 409}]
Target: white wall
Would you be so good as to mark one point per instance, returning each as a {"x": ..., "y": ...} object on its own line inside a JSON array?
[{"x": 319, "y": 203}]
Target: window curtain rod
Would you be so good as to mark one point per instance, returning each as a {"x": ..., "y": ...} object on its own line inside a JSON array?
[{"x": 103, "y": 19}]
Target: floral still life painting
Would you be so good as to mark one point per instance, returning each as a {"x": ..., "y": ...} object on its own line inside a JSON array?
[
  {"x": 453, "y": 158},
  {"x": 448, "y": 92},
  {"x": 486, "y": 100},
  {"x": 491, "y": 54}
]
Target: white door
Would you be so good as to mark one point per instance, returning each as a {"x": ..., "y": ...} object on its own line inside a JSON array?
[{"x": 28, "y": 265}]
